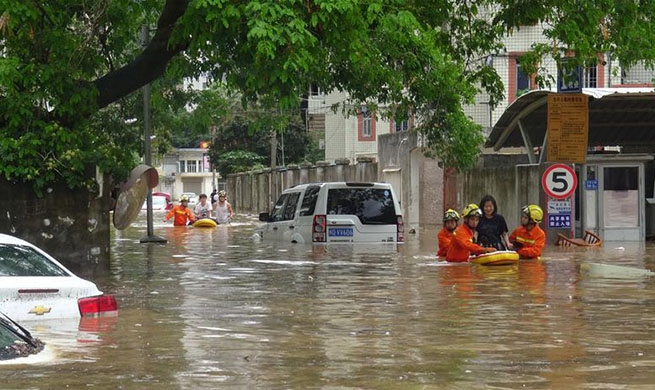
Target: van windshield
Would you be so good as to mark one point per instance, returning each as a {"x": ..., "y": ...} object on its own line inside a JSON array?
[{"x": 373, "y": 206}]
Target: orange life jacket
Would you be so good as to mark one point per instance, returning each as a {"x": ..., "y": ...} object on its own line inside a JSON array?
[
  {"x": 444, "y": 237},
  {"x": 462, "y": 245},
  {"x": 181, "y": 215},
  {"x": 533, "y": 241}
]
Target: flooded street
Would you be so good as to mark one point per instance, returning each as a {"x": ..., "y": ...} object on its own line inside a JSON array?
[{"x": 214, "y": 309}]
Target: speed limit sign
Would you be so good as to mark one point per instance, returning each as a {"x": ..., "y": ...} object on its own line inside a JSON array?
[{"x": 559, "y": 181}]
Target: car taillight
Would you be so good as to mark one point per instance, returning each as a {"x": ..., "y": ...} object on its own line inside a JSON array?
[
  {"x": 319, "y": 233},
  {"x": 401, "y": 228},
  {"x": 100, "y": 305}
]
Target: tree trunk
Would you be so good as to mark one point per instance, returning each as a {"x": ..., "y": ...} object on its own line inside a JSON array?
[{"x": 148, "y": 66}]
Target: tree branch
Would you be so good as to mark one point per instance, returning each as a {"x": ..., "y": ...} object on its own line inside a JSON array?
[{"x": 150, "y": 64}]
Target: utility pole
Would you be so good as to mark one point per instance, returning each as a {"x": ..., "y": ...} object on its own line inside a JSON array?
[
  {"x": 273, "y": 149},
  {"x": 147, "y": 152}
]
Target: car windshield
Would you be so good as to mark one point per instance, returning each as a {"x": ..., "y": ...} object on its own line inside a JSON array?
[
  {"x": 373, "y": 206},
  {"x": 16, "y": 342},
  {"x": 21, "y": 260}
]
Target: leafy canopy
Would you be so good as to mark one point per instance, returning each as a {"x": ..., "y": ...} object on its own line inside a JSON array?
[
  {"x": 242, "y": 137},
  {"x": 67, "y": 68}
]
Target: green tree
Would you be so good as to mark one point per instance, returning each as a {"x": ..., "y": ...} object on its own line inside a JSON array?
[
  {"x": 63, "y": 63},
  {"x": 242, "y": 139}
]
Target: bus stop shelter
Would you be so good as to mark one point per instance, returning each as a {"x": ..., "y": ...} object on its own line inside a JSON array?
[{"x": 615, "y": 197}]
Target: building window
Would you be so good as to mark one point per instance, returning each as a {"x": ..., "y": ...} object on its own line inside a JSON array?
[
  {"x": 182, "y": 166},
  {"x": 366, "y": 123},
  {"x": 314, "y": 90},
  {"x": 192, "y": 166},
  {"x": 402, "y": 125},
  {"x": 522, "y": 80},
  {"x": 590, "y": 77}
]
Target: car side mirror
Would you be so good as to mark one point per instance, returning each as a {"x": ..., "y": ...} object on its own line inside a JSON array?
[{"x": 264, "y": 217}]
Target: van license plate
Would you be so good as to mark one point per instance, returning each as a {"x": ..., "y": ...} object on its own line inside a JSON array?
[{"x": 340, "y": 232}]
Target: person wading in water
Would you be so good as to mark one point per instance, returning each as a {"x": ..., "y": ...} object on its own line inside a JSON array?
[{"x": 223, "y": 209}]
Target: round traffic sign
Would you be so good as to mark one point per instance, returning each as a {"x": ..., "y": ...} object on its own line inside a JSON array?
[{"x": 559, "y": 181}]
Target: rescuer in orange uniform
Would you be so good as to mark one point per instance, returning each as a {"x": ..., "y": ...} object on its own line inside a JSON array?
[
  {"x": 529, "y": 239},
  {"x": 462, "y": 245},
  {"x": 445, "y": 235},
  {"x": 181, "y": 213}
]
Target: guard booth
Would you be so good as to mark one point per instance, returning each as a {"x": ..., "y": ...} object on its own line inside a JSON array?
[
  {"x": 611, "y": 197},
  {"x": 615, "y": 184}
]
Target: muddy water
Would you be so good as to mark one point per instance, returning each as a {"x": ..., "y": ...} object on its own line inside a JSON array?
[{"x": 213, "y": 309}]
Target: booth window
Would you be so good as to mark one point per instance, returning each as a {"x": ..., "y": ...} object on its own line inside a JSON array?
[
  {"x": 621, "y": 179},
  {"x": 621, "y": 196}
]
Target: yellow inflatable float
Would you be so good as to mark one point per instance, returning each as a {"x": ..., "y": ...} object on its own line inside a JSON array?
[
  {"x": 204, "y": 222},
  {"x": 495, "y": 258}
]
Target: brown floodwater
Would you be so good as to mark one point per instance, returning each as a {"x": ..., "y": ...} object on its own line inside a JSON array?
[{"x": 214, "y": 309}]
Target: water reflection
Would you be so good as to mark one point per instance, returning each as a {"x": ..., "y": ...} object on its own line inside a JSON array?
[{"x": 212, "y": 308}]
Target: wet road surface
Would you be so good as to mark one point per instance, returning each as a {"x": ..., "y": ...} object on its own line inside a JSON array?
[{"x": 214, "y": 309}]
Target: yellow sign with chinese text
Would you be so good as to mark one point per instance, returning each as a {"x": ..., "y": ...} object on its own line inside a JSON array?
[{"x": 568, "y": 128}]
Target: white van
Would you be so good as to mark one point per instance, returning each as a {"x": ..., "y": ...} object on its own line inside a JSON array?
[{"x": 335, "y": 212}]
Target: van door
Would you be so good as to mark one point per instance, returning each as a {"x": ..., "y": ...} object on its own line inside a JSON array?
[
  {"x": 365, "y": 214},
  {"x": 277, "y": 217},
  {"x": 306, "y": 212},
  {"x": 287, "y": 225}
]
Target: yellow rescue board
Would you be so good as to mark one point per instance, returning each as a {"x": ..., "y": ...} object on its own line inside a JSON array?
[
  {"x": 496, "y": 258},
  {"x": 205, "y": 222}
]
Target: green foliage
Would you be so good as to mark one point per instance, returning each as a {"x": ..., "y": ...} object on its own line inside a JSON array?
[
  {"x": 250, "y": 128},
  {"x": 425, "y": 57},
  {"x": 239, "y": 161}
]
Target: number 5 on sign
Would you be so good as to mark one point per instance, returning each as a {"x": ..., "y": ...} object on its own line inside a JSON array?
[{"x": 559, "y": 181}]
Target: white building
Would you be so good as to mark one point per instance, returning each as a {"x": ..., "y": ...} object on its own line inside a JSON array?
[
  {"x": 187, "y": 170},
  {"x": 354, "y": 136},
  {"x": 349, "y": 136}
]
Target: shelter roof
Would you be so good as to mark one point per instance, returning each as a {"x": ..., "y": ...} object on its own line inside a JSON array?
[{"x": 617, "y": 116}]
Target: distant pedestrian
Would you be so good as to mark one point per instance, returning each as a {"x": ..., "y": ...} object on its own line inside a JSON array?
[
  {"x": 492, "y": 229},
  {"x": 446, "y": 234},
  {"x": 462, "y": 245},
  {"x": 182, "y": 214},
  {"x": 528, "y": 239},
  {"x": 223, "y": 209},
  {"x": 213, "y": 198},
  {"x": 203, "y": 209}
]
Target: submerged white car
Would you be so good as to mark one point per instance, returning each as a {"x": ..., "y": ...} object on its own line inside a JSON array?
[
  {"x": 335, "y": 213},
  {"x": 35, "y": 286}
]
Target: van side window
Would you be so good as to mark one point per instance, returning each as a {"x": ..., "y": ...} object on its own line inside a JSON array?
[
  {"x": 292, "y": 203},
  {"x": 278, "y": 210},
  {"x": 309, "y": 201}
]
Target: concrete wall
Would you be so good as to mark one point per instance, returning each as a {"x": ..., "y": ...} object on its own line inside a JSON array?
[
  {"x": 422, "y": 180},
  {"x": 255, "y": 192},
  {"x": 512, "y": 187},
  {"x": 71, "y": 225}
]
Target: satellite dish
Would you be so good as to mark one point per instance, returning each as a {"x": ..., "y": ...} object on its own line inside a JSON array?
[{"x": 132, "y": 195}]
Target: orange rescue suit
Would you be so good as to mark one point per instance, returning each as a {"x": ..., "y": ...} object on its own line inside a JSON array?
[
  {"x": 445, "y": 237},
  {"x": 533, "y": 241},
  {"x": 462, "y": 245},
  {"x": 181, "y": 215}
]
